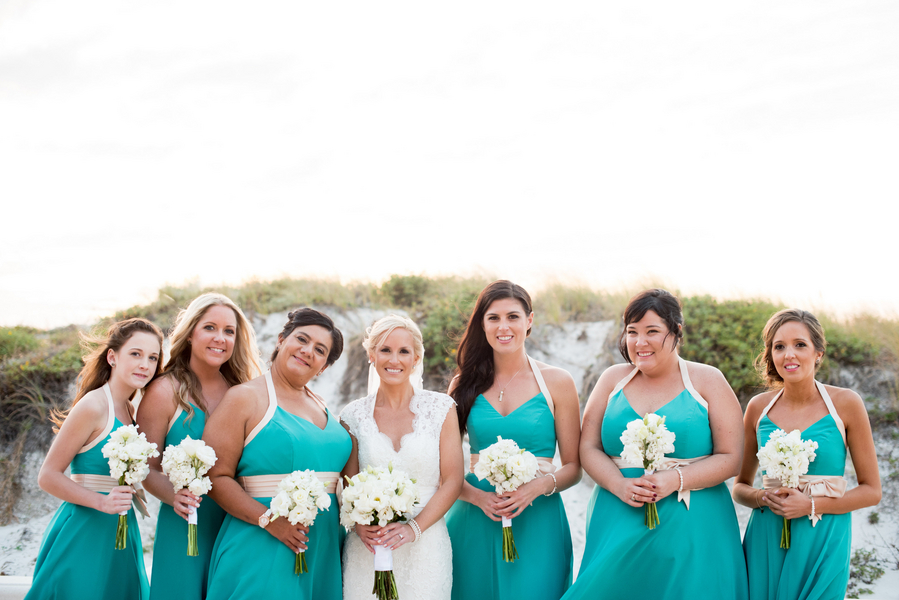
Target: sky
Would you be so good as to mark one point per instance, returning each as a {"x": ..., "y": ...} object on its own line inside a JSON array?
[{"x": 736, "y": 149}]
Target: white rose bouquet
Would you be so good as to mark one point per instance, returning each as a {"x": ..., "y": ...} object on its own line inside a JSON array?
[
  {"x": 507, "y": 467},
  {"x": 388, "y": 496},
  {"x": 127, "y": 452},
  {"x": 647, "y": 441},
  {"x": 786, "y": 457},
  {"x": 302, "y": 495},
  {"x": 186, "y": 465}
]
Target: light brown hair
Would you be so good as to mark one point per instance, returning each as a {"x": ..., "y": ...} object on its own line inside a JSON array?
[{"x": 764, "y": 364}]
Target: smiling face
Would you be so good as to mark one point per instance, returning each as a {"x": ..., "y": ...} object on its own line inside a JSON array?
[
  {"x": 506, "y": 325},
  {"x": 136, "y": 361},
  {"x": 304, "y": 352},
  {"x": 395, "y": 357},
  {"x": 212, "y": 339},
  {"x": 793, "y": 352},
  {"x": 649, "y": 342}
]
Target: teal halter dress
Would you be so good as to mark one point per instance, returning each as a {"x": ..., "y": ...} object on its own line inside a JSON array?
[
  {"x": 816, "y": 566},
  {"x": 77, "y": 559},
  {"x": 542, "y": 535},
  {"x": 175, "y": 574},
  {"x": 692, "y": 553},
  {"x": 247, "y": 561}
]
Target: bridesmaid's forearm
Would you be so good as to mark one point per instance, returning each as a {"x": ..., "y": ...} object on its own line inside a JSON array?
[
  {"x": 567, "y": 476},
  {"x": 710, "y": 471},
  {"x": 159, "y": 485},
  {"x": 859, "y": 497},
  {"x": 746, "y": 495},
  {"x": 228, "y": 494}
]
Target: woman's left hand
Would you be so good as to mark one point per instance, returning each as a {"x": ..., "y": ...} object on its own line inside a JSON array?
[
  {"x": 665, "y": 482},
  {"x": 515, "y": 502},
  {"x": 395, "y": 535},
  {"x": 789, "y": 503}
]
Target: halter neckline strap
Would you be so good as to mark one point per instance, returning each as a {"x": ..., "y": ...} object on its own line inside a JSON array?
[
  {"x": 685, "y": 377},
  {"x": 110, "y": 421},
  {"x": 273, "y": 404},
  {"x": 827, "y": 402},
  {"x": 541, "y": 383}
]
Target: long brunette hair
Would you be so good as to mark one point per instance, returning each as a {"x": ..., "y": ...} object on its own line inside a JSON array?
[
  {"x": 474, "y": 357},
  {"x": 97, "y": 370}
]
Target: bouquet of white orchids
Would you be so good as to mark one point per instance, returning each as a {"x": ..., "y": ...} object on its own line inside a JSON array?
[
  {"x": 386, "y": 496},
  {"x": 646, "y": 442},
  {"x": 186, "y": 465},
  {"x": 507, "y": 467},
  {"x": 127, "y": 452},
  {"x": 786, "y": 456},
  {"x": 300, "y": 497}
]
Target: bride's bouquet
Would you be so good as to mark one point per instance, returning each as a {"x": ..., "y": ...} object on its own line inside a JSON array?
[
  {"x": 647, "y": 441},
  {"x": 127, "y": 452},
  {"x": 388, "y": 496},
  {"x": 786, "y": 457},
  {"x": 186, "y": 465},
  {"x": 507, "y": 467},
  {"x": 300, "y": 498}
]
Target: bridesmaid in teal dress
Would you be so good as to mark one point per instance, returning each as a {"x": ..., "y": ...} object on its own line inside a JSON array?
[
  {"x": 262, "y": 431},
  {"x": 500, "y": 391},
  {"x": 77, "y": 557},
  {"x": 213, "y": 347},
  {"x": 694, "y": 551},
  {"x": 816, "y": 565}
]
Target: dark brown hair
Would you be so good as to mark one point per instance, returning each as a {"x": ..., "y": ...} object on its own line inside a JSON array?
[
  {"x": 663, "y": 303},
  {"x": 764, "y": 364},
  {"x": 474, "y": 355},
  {"x": 308, "y": 316}
]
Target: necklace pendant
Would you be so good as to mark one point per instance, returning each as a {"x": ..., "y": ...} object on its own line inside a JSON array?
[{"x": 501, "y": 395}]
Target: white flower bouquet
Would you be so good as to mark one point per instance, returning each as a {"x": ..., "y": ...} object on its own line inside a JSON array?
[
  {"x": 507, "y": 467},
  {"x": 647, "y": 441},
  {"x": 186, "y": 465},
  {"x": 127, "y": 452},
  {"x": 786, "y": 457},
  {"x": 302, "y": 495},
  {"x": 387, "y": 496}
]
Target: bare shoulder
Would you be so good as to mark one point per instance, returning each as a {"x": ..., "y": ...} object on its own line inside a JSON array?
[
  {"x": 616, "y": 373},
  {"x": 846, "y": 402},
  {"x": 94, "y": 405},
  {"x": 245, "y": 398},
  {"x": 704, "y": 374},
  {"x": 758, "y": 403},
  {"x": 161, "y": 392},
  {"x": 554, "y": 375}
]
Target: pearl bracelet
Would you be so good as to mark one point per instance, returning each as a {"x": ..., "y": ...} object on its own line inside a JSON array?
[
  {"x": 812, "y": 516},
  {"x": 555, "y": 485},
  {"x": 415, "y": 528},
  {"x": 681, "y": 475}
]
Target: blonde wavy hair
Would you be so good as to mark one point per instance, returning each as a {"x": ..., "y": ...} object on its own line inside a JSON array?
[{"x": 244, "y": 364}]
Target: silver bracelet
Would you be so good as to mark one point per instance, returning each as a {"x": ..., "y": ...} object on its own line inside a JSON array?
[
  {"x": 681, "y": 475},
  {"x": 414, "y": 525},
  {"x": 555, "y": 484}
]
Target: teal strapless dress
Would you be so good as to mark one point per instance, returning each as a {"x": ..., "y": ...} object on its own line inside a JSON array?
[
  {"x": 77, "y": 559},
  {"x": 247, "y": 561},
  {"x": 816, "y": 567},
  {"x": 691, "y": 554},
  {"x": 175, "y": 574},
  {"x": 542, "y": 536}
]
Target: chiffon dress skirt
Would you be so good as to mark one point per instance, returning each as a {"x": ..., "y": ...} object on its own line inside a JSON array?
[
  {"x": 249, "y": 562},
  {"x": 816, "y": 566},
  {"x": 78, "y": 559},
  {"x": 691, "y": 553},
  {"x": 542, "y": 536},
  {"x": 175, "y": 574}
]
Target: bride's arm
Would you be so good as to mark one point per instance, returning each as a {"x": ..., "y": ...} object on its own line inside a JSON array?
[{"x": 447, "y": 493}]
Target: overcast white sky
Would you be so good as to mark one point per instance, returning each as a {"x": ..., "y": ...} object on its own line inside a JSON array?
[{"x": 730, "y": 148}]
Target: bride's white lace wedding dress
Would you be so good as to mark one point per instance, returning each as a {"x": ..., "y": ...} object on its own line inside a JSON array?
[{"x": 423, "y": 570}]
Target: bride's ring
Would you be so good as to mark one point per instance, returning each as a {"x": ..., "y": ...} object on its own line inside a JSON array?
[{"x": 401, "y": 536}]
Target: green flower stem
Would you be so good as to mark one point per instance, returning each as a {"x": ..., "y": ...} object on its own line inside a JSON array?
[
  {"x": 192, "y": 546},
  {"x": 385, "y": 586},
  {"x": 652, "y": 515},
  {"x": 299, "y": 565},
  {"x": 510, "y": 552},
  {"x": 785, "y": 535},
  {"x": 121, "y": 532}
]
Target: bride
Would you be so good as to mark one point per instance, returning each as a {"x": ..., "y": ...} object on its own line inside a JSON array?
[{"x": 416, "y": 431}]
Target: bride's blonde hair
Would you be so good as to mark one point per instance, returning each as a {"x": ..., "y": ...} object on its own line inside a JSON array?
[{"x": 380, "y": 329}]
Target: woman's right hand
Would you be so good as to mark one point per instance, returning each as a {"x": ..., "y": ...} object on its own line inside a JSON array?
[
  {"x": 636, "y": 492},
  {"x": 369, "y": 535},
  {"x": 292, "y": 536},
  {"x": 182, "y": 502},
  {"x": 490, "y": 503},
  {"x": 117, "y": 501}
]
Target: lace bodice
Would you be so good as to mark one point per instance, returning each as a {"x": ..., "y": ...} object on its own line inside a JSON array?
[{"x": 419, "y": 453}]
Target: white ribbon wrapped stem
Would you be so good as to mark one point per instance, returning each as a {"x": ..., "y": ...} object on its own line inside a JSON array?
[
  {"x": 383, "y": 558},
  {"x": 665, "y": 464},
  {"x": 813, "y": 486},
  {"x": 192, "y": 516},
  {"x": 507, "y": 522}
]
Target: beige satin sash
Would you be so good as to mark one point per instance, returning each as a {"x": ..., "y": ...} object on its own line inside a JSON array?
[
  {"x": 266, "y": 486},
  {"x": 813, "y": 486},
  {"x": 105, "y": 484},
  {"x": 666, "y": 464},
  {"x": 545, "y": 466}
]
